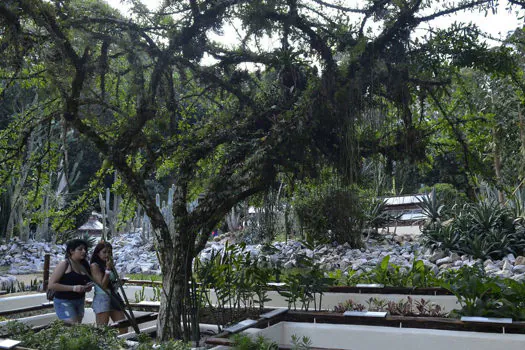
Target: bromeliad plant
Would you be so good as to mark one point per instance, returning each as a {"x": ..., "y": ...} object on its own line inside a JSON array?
[
  {"x": 482, "y": 230},
  {"x": 63, "y": 337}
]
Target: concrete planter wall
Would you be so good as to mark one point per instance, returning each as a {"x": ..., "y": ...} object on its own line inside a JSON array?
[{"x": 354, "y": 337}]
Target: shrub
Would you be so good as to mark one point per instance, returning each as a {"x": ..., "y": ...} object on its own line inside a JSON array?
[
  {"x": 481, "y": 295},
  {"x": 63, "y": 337},
  {"x": 332, "y": 212},
  {"x": 146, "y": 343},
  {"x": 245, "y": 342}
]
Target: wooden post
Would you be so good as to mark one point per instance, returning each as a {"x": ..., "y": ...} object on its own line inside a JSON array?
[{"x": 46, "y": 271}]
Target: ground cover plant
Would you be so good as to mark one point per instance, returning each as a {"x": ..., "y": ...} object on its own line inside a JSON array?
[
  {"x": 482, "y": 295},
  {"x": 403, "y": 307},
  {"x": 144, "y": 277},
  {"x": 59, "y": 336},
  {"x": 245, "y": 342},
  {"x": 390, "y": 275},
  {"x": 147, "y": 343}
]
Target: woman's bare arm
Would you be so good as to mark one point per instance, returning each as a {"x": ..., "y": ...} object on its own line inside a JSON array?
[{"x": 99, "y": 276}]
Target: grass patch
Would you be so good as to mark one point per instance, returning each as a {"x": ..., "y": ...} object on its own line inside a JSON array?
[{"x": 144, "y": 277}]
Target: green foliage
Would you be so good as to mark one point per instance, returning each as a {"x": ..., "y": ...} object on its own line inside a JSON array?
[
  {"x": 403, "y": 307},
  {"x": 481, "y": 295},
  {"x": 146, "y": 343},
  {"x": 140, "y": 295},
  {"x": 446, "y": 194},
  {"x": 392, "y": 275},
  {"x": 307, "y": 285},
  {"x": 376, "y": 216},
  {"x": 482, "y": 230},
  {"x": 239, "y": 283},
  {"x": 245, "y": 342},
  {"x": 331, "y": 211},
  {"x": 144, "y": 277},
  {"x": 63, "y": 337},
  {"x": 301, "y": 343},
  {"x": 431, "y": 207},
  {"x": 157, "y": 293}
]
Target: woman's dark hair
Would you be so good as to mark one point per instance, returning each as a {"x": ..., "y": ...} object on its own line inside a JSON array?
[
  {"x": 74, "y": 244},
  {"x": 96, "y": 259}
]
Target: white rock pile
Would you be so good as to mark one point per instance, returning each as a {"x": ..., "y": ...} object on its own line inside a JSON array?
[{"x": 134, "y": 255}]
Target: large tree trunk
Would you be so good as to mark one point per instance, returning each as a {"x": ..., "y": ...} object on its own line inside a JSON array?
[
  {"x": 175, "y": 321},
  {"x": 170, "y": 314}
]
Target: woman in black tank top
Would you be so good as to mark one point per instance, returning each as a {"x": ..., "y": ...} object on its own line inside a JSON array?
[{"x": 70, "y": 282}]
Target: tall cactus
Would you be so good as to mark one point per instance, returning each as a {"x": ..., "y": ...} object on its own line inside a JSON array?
[{"x": 103, "y": 209}]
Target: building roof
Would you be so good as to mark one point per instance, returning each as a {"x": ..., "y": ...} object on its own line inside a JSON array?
[
  {"x": 92, "y": 225},
  {"x": 404, "y": 200}
]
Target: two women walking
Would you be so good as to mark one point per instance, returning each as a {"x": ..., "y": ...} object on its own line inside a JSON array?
[{"x": 74, "y": 276}]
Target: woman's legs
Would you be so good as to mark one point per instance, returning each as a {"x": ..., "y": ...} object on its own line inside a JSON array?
[
  {"x": 101, "y": 307},
  {"x": 117, "y": 315},
  {"x": 102, "y": 318}
]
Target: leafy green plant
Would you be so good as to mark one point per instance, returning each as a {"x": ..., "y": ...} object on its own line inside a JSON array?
[
  {"x": 145, "y": 277},
  {"x": 245, "y": 342},
  {"x": 376, "y": 216},
  {"x": 61, "y": 337},
  {"x": 331, "y": 211},
  {"x": 388, "y": 274},
  {"x": 481, "y": 295},
  {"x": 349, "y": 305},
  {"x": 440, "y": 237},
  {"x": 403, "y": 307},
  {"x": 239, "y": 283},
  {"x": 301, "y": 343},
  {"x": 376, "y": 304},
  {"x": 307, "y": 285},
  {"x": 146, "y": 343},
  {"x": 447, "y": 195}
]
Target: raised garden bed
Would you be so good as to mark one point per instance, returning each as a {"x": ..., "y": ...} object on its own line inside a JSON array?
[
  {"x": 330, "y": 330},
  {"x": 389, "y": 290}
]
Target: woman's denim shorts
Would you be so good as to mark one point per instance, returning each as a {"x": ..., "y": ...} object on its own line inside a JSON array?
[
  {"x": 104, "y": 303},
  {"x": 101, "y": 303},
  {"x": 69, "y": 309}
]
